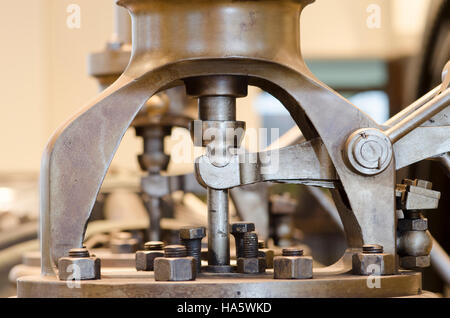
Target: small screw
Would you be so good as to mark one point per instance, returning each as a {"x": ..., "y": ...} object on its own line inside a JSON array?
[
  {"x": 292, "y": 251},
  {"x": 238, "y": 230},
  {"x": 372, "y": 249}
]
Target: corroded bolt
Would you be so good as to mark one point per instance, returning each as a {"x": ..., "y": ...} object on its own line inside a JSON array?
[
  {"x": 250, "y": 245},
  {"x": 79, "y": 265},
  {"x": 251, "y": 263},
  {"x": 292, "y": 265},
  {"x": 238, "y": 230},
  {"x": 175, "y": 265},
  {"x": 191, "y": 237},
  {"x": 372, "y": 260},
  {"x": 266, "y": 253}
]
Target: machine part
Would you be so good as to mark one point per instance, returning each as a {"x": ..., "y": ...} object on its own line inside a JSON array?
[
  {"x": 306, "y": 163},
  {"x": 175, "y": 265},
  {"x": 372, "y": 261},
  {"x": 159, "y": 64},
  {"x": 250, "y": 262},
  {"x": 419, "y": 224},
  {"x": 145, "y": 259},
  {"x": 232, "y": 286},
  {"x": 123, "y": 243},
  {"x": 253, "y": 265},
  {"x": 267, "y": 253},
  {"x": 417, "y": 195},
  {"x": 79, "y": 265},
  {"x": 238, "y": 230},
  {"x": 217, "y": 110},
  {"x": 415, "y": 262},
  {"x": 292, "y": 265},
  {"x": 368, "y": 151},
  {"x": 414, "y": 243},
  {"x": 191, "y": 237}
]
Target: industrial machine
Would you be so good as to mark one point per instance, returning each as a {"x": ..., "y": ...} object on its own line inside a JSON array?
[{"x": 212, "y": 51}]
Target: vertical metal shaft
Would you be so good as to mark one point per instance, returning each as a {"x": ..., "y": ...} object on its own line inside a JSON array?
[
  {"x": 218, "y": 237},
  {"x": 154, "y": 213}
]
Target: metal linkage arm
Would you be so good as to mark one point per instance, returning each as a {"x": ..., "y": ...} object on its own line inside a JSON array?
[{"x": 305, "y": 163}]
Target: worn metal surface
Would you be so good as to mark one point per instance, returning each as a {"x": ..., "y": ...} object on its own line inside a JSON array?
[
  {"x": 305, "y": 163},
  {"x": 369, "y": 264},
  {"x": 223, "y": 286},
  {"x": 293, "y": 267},
  {"x": 250, "y": 40},
  {"x": 175, "y": 269}
]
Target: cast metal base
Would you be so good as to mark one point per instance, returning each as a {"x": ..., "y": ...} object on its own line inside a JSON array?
[{"x": 130, "y": 283}]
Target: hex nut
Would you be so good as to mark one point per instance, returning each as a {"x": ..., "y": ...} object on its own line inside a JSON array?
[
  {"x": 192, "y": 233},
  {"x": 145, "y": 259},
  {"x": 368, "y": 264},
  {"x": 413, "y": 262},
  {"x": 251, "y": 265},
  {"x": 268, "y": 255},
  {"x": 413, "y": 224},
  {"x": 293, "y": 267},
  {"x": 242, "y": 227},
  {"x": 175, "y": 269},
  {"x": 88, "y": 268}
]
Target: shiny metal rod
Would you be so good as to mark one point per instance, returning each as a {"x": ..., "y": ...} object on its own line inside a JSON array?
[
  {"x": 418, "y": 117},
  {"x": 218, "y": 236}
]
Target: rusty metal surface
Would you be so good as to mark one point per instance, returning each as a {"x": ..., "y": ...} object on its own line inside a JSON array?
[
  {"x": 250, "y": 40},
  {"x": 225, "y": 285}
]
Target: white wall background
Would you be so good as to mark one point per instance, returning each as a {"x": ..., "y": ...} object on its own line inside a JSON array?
[{"x": 44, "y": 72}]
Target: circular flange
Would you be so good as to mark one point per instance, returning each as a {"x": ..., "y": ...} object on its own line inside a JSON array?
[
  {"x": 142, "y": 284},
  {"x": 368, "y": 151}
]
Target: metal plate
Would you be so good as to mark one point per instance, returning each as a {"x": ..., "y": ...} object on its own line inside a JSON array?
[{"x": 130, "y": 283}]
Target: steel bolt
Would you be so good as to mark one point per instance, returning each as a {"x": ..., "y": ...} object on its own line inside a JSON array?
[
  {"x": 154, "y": 246},
  {"x": 267, "y": 254},
  {"x": 250, "y": 245},
  {"x": 79, "y": 265},
  {"x": 145, "y": 259},
  {"x": 372, "y": 260},
  {"x": 251, "y": 263},
  {"x": 175, "y": 265},
  {"x": 292, "y": 251},
  {"x": 191, "y": 238},
  {"x": 372, "y": 249},
  {"x": 174, "y": 251},
  {"x": 79, "y": 252},
  {"x": 292, "y": 265},
  {"x": 238, "y": 230}
]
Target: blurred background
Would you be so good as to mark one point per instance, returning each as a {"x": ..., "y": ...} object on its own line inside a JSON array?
[{"x": 380, "y": 54}]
